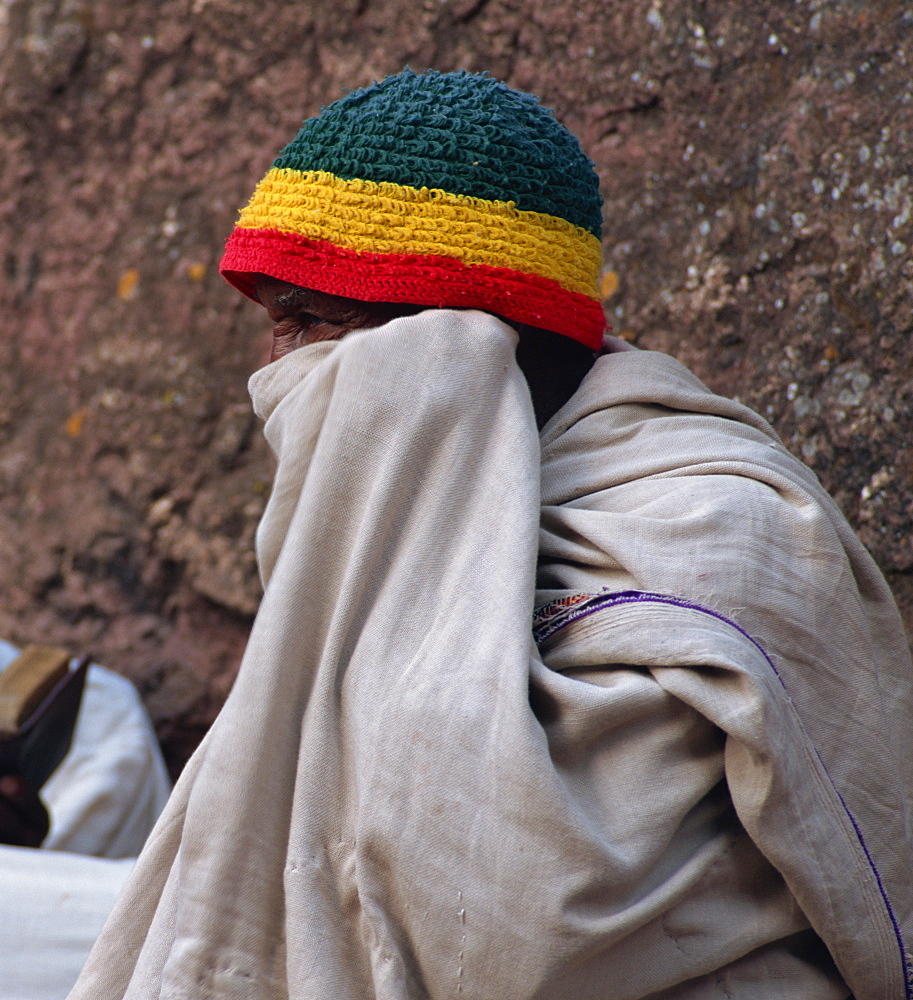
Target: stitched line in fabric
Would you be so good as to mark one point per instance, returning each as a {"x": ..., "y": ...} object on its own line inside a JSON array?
[
  {"x": 392, "y": 218},
  {"x": 429, "y": 281},
  {"x": 553, "y": 617}
]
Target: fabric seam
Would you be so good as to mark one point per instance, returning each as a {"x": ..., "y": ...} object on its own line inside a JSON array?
[{"x": 589, "y": 604}]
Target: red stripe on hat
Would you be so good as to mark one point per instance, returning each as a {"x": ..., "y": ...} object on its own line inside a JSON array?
[{"x": 423, "y": 280}]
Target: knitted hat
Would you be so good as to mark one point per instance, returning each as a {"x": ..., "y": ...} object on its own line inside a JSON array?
[{"x": 436, "y": 189}]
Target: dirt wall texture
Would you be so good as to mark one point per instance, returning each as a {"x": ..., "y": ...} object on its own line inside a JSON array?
[{"x": 755, "y": 165}]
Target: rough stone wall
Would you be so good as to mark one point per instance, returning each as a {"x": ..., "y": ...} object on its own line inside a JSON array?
[{"x": 755, "y": 161}]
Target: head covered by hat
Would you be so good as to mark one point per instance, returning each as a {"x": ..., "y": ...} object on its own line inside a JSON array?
[{"x": 436, "y": 189}]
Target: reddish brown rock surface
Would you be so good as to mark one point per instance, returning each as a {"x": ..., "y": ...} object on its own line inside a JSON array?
[{"x": 755, "y": 163}]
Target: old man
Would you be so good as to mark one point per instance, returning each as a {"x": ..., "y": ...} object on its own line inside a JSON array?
[{"x": 615, "y": 706}]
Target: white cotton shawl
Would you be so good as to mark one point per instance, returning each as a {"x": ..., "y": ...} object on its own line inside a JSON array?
[{"x": 401, "y": 801}]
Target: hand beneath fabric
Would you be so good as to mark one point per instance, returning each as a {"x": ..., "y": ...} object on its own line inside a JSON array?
[
  {"x": 615, "y": 345},
  {"x": 24, "y": 820}
]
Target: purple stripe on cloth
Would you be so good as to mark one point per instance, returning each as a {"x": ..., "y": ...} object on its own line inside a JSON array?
[{"x": 553, "y": 617}]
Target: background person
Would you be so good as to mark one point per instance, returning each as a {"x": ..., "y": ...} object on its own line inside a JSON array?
[{"x": 102, "y": 801}]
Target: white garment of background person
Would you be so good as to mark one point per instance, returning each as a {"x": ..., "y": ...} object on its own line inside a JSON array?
[{"x": 103, "y": 800}]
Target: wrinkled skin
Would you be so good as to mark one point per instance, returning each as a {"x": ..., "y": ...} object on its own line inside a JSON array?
[
  {"x": 301, "y": 316},
  {"x": 24, "y": 821}
]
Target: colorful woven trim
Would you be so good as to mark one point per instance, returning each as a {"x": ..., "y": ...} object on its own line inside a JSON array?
[{"x": 446, "y": 190}]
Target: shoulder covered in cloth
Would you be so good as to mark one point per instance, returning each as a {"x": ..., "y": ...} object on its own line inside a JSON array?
[{"x": 678, "y": 533}]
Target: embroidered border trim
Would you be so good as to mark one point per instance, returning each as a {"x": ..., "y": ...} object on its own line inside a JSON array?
[{"x": 553, "y": 617}]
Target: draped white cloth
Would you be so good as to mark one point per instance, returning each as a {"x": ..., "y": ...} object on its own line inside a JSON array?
[{"x": 401, "y": 800}]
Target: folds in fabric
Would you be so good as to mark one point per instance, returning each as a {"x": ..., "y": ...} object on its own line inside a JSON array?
[
  {"x": 403, "y": 799},
  {"x": 654, "y": 487}
]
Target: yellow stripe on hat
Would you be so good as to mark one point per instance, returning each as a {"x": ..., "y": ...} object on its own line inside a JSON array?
[{"x": 383, "y": 217}]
